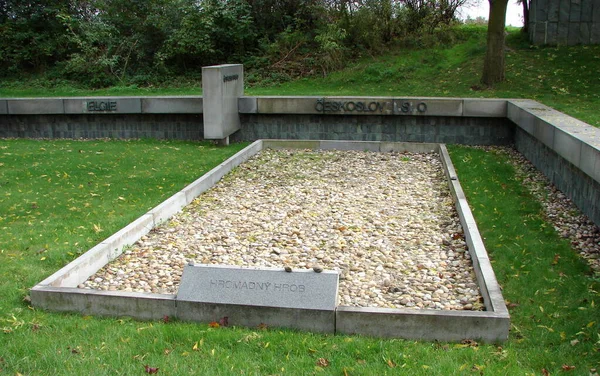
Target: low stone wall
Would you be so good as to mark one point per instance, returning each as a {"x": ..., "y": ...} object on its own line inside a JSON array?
[
  {"x": 578, "y": 186},
  {"x": 439, "y": 129},
  {"x": 565, "y": 149},
  {"x": 120, "y": 126}
]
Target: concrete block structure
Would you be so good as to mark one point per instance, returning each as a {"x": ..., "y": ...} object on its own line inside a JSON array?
[{"x": 564, "y": 22}]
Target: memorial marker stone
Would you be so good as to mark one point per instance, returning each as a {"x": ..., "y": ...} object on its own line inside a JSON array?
[{"x": 223, "y": 284}]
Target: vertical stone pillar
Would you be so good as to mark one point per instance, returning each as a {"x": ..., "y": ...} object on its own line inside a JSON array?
[{"x": 222, "y": 85}]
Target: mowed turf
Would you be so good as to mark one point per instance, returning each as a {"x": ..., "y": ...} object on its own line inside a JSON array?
[{"x": 59, "y": 198}]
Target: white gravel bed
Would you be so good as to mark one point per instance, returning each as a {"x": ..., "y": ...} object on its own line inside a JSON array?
[{"x": 386, "y": 221}]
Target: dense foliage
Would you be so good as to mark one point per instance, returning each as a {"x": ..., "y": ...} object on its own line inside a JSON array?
[{"x": 108, "y": 42}]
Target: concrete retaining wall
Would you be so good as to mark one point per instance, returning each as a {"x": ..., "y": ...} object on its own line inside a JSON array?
[
  {"x": 564, "y": 22},
  {"x": 123, "y": 126},
  {"x": 439, "y": 120},
  {"x": 579, "y": 187},
  {"x": 565, "y": 149},
  {"x": 437, "y": 129}
]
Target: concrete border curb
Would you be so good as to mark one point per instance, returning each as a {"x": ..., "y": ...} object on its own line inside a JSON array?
[{"x": 59, "y": 293}]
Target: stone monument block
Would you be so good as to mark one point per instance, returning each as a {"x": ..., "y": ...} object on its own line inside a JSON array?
[
  {"x": 223, "y": 284},
  {"x": 222, "y": 85}
]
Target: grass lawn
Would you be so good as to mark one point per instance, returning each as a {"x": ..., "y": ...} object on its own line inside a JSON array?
[{"x": 58, "y": 198}]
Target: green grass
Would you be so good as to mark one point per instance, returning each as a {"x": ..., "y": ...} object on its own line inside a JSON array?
[
  {"x": 546, "y": 74},
  {"x": 45, "y": 186},
  {"x": 38, "y": 88},
  {"x": 566, "y": 78}
]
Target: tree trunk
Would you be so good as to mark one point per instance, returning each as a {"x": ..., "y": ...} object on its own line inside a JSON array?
[
  {"x": 525, "y": 4},
  {"x": 493, "y": 66}
]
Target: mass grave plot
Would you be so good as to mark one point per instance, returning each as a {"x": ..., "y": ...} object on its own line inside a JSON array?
[{"x": 389, "y": 224}]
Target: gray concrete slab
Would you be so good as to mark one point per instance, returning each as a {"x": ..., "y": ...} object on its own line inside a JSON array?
[
  {"x": 168, "y": 208},
  {"x": 590, "y": 161},
  {"x": 350, "y": 145},
  {"x": 286, "y": 105},
  {"x": 248, "y": 105},
  {"x": 202, "y": 184},
  {"x": 544, "y": 131},
  {"x": 265, "y": 287},
  {"x": 3, "y": 107},
  {"x": 567, "y": 145},
  {"x": 206, "y": 181},
  {"x": 222, "y": 85},
  {"x": 292, "y": 144},
  {"x": 520, "y": 116},
  {"x": 142, "y": 306},
  {"x": 412, "y": 147},
  {"x": 426, "y": 325},
  {"x": 343, "y": 105},
  {"x": 103, "y": 105},
  {"x": 128, "y": 235},
  {"x": 484, "y": 107},
  {"x": 37, "y": 106},
  {"x": 428, "y": 106},
  {"x": 253, "y": 316},
  {"x": 79, "y": 269},
  {"x": 486, "y": 278},
  {"x": 172, "y": 105},
  {"x": 326, "y": 105}
]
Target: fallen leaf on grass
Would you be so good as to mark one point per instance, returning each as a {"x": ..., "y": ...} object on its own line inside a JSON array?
[
  {"x": 545, "y": 372},
  {"x": 262, "y": 326},
  {"x": 250, "y": 337},
  {"x": 567, "y": 367},
  {"x": 574, "y": 342},
  {"x": 551, "y": 330},
  {"x": 322, "y": 362},
  {"x": 224, "y": 321},
  {"x": 165, "y": 319},
  {"x": 214, "y": 324},
  {"x": 390, "y": 363},
  {"x": 467, "y": 343},
  {"x": 167, "y": 351},
  {"x": 149, "y": 369},
  {"x": 477, "y": 368},
  {"x": 556, "y": 258}
]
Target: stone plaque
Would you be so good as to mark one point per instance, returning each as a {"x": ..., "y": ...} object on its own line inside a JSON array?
[
  {"x": 224, "y": 284},
  {"x": 222, "y": 85}
]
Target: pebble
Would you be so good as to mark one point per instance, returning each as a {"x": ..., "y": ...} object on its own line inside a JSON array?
[{"x": 385, "y": 222}]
